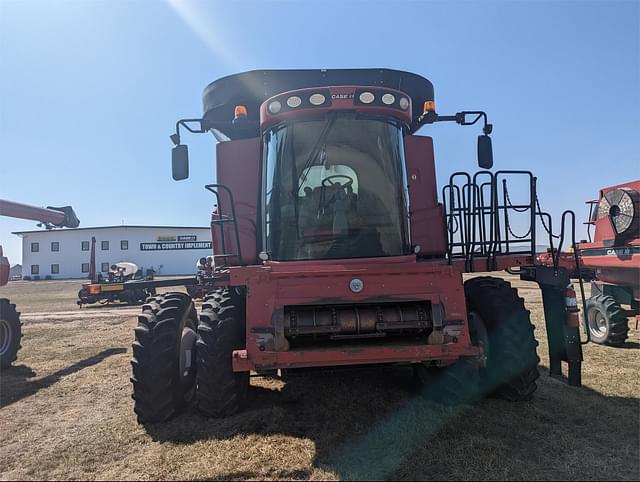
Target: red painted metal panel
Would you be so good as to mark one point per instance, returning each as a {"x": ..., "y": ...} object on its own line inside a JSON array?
[
  {"x": 238, "y": 168},
  {"x": 273, "y": 286},
  {"x": 615, "y": 259},
  {"x": 603, "y": 228},
  {"x": 5, "y": 268},
  {"x": 427, "y": 216},
  {"x": 354, "y": 355}
]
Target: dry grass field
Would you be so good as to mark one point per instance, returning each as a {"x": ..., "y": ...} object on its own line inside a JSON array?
[{"x": 66, "y": 413}]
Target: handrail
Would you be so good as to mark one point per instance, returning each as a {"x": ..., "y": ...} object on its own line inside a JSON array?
[{"x": 214, "y": 188}]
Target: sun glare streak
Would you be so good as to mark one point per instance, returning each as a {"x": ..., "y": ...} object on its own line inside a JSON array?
[
  {"x": 211, "y": 34},
  {"x": 206, "y": 29}
]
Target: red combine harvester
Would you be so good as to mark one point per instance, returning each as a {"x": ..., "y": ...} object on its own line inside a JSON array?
[
  {"x": 10, "y": 326},
  {"x": 614, "y": 254},
  {"x": 331, "y": 248}
]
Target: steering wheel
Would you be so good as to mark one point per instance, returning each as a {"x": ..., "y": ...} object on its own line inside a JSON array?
[{"x": 327, "y": 180}]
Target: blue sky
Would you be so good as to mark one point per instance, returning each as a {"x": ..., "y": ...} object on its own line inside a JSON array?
[{"x": 90, "y": 90}]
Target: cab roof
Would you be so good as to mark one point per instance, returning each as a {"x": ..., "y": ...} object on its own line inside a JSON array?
[{"x": 252, "y": 88}]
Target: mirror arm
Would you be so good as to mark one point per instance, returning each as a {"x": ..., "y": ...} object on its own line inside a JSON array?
[
  {"x": 175, "y": 138},
  {"x": 460, "y": 118}
]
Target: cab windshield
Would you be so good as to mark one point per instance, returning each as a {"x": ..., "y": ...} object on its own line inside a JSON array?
[{"x": 335, "y": 188}]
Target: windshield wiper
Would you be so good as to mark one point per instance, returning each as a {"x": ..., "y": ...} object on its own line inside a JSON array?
[{"x": 316, "y": 149}]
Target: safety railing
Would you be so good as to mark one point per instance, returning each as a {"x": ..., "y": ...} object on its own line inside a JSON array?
[
  {"x": 479, "y": 216},
  {"x": 226, "y": 215}
]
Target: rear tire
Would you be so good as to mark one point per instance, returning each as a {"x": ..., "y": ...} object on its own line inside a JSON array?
[
  {"x": 10, "y": 333},
  {"x": 511, "y": 359},
  {"x": 164, "y": 357},
  {"x": 221, "y": 391},
  {"x": 607, "y": 321}
]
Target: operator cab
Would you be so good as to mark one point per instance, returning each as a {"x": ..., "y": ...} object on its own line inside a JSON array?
[
  {"x": 327, "y": 150},
  {"x": 335, "y": 188}
]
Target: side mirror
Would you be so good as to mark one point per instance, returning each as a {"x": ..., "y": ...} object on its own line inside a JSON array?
[
  {"x": 180, "y": 162},
  {"x": 485, "y": 152}
]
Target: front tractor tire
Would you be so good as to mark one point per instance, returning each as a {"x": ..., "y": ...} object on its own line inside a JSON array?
[
  {"x": 221, "y": 391},
  {"x": 500, "y": 322},
  {"x": 607, "y": 321},
  {"x": 164, "y": 357},
  {"x": 10, "y": 333}
]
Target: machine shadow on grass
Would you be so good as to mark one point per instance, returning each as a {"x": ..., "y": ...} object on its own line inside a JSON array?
[
  {"x": 629, "y": 345},
  {"x": 100, "y": 306},
  {"x": 15, "y": 383},
  {"x": 371, "y": 424}
]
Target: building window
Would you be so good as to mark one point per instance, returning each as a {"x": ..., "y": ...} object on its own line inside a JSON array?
[
  {"x": 35, "y": 247},
  {"x": 124, "y": 245},
  {"x": 55, "y": 268},
  {"x": 104, "y": 245},
  {"x": 105, "y": 267},
  {"x": 55, "y": 246},
  {"x": 35, "y": 269},
  {"x": 85, "y": 267},
  {"x": 85, "y": 246}
]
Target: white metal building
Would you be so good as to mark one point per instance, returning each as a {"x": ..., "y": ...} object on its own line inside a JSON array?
[{"x": 65, "y": 253}]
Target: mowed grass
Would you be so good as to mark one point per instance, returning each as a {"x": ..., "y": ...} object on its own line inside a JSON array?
[{"x": 66, "y": 413}]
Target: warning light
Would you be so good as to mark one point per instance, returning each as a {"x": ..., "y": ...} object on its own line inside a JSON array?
[
  {"x": 429, "y": 106},
  {"x": 94, "y": 289},
  {"x": 240, "y": 111}
]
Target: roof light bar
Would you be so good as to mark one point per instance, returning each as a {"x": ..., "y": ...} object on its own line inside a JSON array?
[
  {"x": 275, "y": 107},
  {"x": 367, "y": 97},
  {"x": 388, "y": 99},
  {"x": 317, "y": 99},
  {"x": 294, "y": 101}
]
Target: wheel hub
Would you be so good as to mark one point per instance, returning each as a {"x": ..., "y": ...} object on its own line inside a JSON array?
[
  {"x": 187, "y": 347},
  {"x": 6, "y": 334},
  {"x": 597, "y": 323}
]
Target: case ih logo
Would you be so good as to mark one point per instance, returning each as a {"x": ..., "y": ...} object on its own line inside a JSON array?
[
  {"x": 175, "y": 245},
  {"x": 342, "y": 96}
]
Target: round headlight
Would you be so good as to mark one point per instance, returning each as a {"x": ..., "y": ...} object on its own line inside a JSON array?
[
  {"x": 294, "y": 101},
  {"x": 317, "y": 99},
  {"x": 404, "y": 103},
  {"x": 388, "y": 99},
  {"x": 367, "y": 97},
  {"x": 275, "y": 107}
]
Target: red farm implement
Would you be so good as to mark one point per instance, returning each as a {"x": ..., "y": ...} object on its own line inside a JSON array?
[
  {"x": 614, "y": 254},
  {"x": 10, "y": 326},
  {"x": 333, "y": 247}
]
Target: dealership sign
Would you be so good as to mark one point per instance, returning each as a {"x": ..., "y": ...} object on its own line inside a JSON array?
[
  {"x": 174, "y": 245},
  {"x": 180, "y": 237}
]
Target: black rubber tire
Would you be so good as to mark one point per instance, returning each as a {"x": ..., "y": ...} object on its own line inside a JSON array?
[
  {"x": 512, "y": 361},
  {"x": 616, "y": 329},
  {"x": 450, "y": 386},
  {"x": 221, "y": 391},
  {"x": 138, "y": 296},
  {"x": 11, "y": 328},
  {"x": 160, "y": 390}
]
